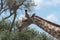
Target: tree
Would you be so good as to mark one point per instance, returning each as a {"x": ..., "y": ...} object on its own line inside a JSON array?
[{"x": 12, "y": 7}]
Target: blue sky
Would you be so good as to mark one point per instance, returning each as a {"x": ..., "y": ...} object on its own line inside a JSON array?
[{"x": 47, "y": 9}]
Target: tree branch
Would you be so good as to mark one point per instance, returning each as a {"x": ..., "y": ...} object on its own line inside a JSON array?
[
  {"x": 20, "y": 4},
  {"x": 1, "y": 4},
  {"x": 8, "y": 16},
  {"x": 13, "y": 21},
  {"x": 3, "y": 11}
]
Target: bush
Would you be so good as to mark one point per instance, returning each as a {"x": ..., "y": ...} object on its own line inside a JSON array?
[{"x": 26, "y": 34}]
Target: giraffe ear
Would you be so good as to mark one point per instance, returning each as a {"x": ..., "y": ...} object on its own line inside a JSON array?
[
  {"x": 33, "y": 15},
  {"x": 26, "y": 14}
]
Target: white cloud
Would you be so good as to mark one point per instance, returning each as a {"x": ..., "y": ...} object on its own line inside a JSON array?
[
  {"x": 38, "y": 3},
  {"x": 52, "y": 18},
  {"x": 52, "y": 2},
  {"x": 42, "y": 3}
]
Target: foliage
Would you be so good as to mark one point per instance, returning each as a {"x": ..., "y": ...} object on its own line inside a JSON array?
[
  {"x": 25, "y": 34},
  {"x": 4, "y": 25}
]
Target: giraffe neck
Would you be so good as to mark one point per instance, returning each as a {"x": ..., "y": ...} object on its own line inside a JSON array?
[{"x": 49, "y": 27}]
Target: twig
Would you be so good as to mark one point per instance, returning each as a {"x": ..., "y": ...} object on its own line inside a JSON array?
[
  {"x": 3, "y": 11},
  {"x": 8, "y": 16}
]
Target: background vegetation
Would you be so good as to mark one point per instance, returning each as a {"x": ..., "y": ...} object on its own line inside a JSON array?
[{"x": 25, "y": 34}]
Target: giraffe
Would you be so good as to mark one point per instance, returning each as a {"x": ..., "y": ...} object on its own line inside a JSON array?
[{"x": 50, "y": 27}]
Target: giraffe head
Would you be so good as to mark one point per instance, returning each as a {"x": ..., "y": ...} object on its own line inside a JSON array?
[{"x": 26, "y": 20}]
